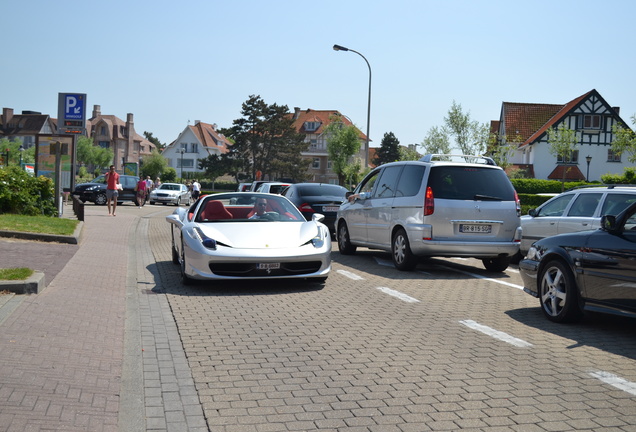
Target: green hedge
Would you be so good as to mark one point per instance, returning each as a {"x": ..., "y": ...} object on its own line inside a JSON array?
[
  {"x": 536, "y": 186},
  {"x": 21, "y": 193}
]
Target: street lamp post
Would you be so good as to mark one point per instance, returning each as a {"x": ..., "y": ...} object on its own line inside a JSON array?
[
  {"x": 21, "y": 151},
  {"x": 366, "y": 149},
  {"x": 588, "y": 159},
  {"x": 182, "y": 151},
  {"x": 6, "y": 161}
]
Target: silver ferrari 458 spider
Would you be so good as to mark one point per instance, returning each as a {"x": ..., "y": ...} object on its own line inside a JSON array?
[{"x": 241, "y": 235}]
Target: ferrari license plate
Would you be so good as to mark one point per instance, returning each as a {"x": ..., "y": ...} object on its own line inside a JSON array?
[
  {"x": 268, "y": 266},
  {"x": 330, "y": 208},
  {"x": 468, "y": 228}
]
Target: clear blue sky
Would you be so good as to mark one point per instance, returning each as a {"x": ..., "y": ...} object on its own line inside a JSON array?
[{"x": 170, "y": 62}]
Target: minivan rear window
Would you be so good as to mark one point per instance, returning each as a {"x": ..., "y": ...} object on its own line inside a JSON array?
[{"x": 470, "y": 183}]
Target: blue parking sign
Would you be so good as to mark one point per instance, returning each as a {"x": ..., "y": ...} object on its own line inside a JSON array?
[{"x": 74, "y": 106}]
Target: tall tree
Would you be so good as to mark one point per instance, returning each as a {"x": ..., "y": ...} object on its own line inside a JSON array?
[
  {"x": 266, "y": 141},
  {"x": 563, "y": 142},
  {"x": 91, "y": 155},
  {"x": 436, "y": 141},
  {"x": 154, "y": 165},
  {"x": 471, "y": 137},
  {"x": 388, "y": 151},
  {"x": 154, "y": 140},
  {"x": 625, "y": 141},
  {"x": 343, "y": 142}
]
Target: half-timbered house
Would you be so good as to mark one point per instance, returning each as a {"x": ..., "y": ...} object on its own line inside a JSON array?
[{"x": 525, "y": 126}]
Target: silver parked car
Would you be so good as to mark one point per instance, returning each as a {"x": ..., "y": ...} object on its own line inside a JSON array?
[
  {"x": 170, "y": 193},
  {"x": 574, "y": 210},
  {"x": 441, "y": 205}
]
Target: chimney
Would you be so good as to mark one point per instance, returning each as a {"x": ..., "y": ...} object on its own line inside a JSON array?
[
  {"x": 97, "y": 111},
  {"x": 196, "y": 122},
  {"x": 617, "y": 110},
  {"x": 7, "y": 115},
  {"x": 296, "y": 113}
]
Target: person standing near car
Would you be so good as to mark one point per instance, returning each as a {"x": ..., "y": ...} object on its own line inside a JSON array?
[
  {"x": 112, "y": 192},
  {"x": 142, "y": 189},
  {"x": 149, "y": 186},
  {"x": 196, "y": 189}
]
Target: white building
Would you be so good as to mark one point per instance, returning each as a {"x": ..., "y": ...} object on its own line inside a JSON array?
[{"x": 195, "y": 142}]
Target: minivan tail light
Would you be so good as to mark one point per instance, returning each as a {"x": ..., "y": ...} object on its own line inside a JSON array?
[
  {"x": 429, "y": 202},
  {"x": 518, "y": 204}
]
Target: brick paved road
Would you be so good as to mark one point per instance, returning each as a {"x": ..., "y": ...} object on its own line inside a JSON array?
[{"x": 291, "y": 356}]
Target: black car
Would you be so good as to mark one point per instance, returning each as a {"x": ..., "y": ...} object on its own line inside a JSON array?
[
  {"x": 95, "y": 191},
  {"x": 585, "y": 271},
  {"x": 322, "y": 198}
]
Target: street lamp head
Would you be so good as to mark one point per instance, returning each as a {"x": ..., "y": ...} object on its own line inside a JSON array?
[
  {"x": 340, "y": 48},
  {"x": 588, "y": 159}
]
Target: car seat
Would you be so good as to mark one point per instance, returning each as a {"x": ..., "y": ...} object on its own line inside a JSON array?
[{"x": 214, "y": 210}]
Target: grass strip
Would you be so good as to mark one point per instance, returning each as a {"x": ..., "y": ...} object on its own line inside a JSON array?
[
  {"x": 17, "y": 273},
  {"x": 38, "y": 224}
]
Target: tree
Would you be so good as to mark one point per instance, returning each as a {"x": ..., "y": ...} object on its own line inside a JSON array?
[
  {"x": 470, "y": 136},
  {"x": 388, "y": 151},
  {"x": 436, "y": 141},
  {"x": 215, "y": 166},
  {"x": 154, "y": 165},
  {"x": 92, "y": 155},
  {"x": 409, "y": 153},
  {"x": 28, "y": 155},
  {"x": 266, "y": 141},
  {"x": 343, "y": 142},
  {"x": 563, "y": 142},
  {"x": 625, "y": 141},
  {"x": 154, "y": 140}
]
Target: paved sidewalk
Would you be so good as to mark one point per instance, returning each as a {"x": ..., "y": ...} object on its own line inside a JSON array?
[{"x": 98, "y": 349}]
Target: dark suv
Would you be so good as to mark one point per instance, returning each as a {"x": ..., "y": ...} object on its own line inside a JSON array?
[{"x": 95, "y": 191}]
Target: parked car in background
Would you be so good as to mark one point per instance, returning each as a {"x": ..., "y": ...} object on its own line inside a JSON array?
[
  {"x": 441, "y": 205},
  {"x": 323, "y": 198},
  {"x": 244, "y": 235},
  {"x": 574, "y": 210},
  {"x": 244, "y": 187},
  {"x": 272, "y": 187},
  {"x": 95, "y": 191},
  {"x": 170, "y": 193},
  {"x": 592, "y": 270}
]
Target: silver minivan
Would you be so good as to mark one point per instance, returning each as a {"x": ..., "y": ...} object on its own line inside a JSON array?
[{"x": 441, "y": 205}]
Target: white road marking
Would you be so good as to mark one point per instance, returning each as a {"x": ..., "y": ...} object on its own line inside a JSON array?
[
  {"x": 398, "y": 294},
  {"x": 615, "y": 381},
  {"x": 350, "y": 275},
  {"x": 504, "y": 337},
  {"x": 483, "y": 277}
]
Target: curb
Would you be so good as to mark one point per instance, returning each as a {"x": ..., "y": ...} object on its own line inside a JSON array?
[
  {"x": 34, "y": 284},
  {"x": 72, "y": 239}
]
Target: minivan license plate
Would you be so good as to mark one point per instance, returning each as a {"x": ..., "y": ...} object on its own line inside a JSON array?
[
  {"x": 268, "y": 266},
  {"x": 466, "y": 228}
]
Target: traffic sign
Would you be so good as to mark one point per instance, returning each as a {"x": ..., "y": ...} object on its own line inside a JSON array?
[{"x": 71, "y": 113}]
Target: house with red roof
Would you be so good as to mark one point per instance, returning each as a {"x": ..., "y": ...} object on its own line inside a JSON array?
[
  {"x": 312, "y": 123},
  {"x": 195, "y": 142},
  {"x": 525, "y": 126},
  {"x": 109, "y": 131}
]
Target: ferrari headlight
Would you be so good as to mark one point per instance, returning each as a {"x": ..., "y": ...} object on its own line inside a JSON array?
[{"x": 205, "y": 240}]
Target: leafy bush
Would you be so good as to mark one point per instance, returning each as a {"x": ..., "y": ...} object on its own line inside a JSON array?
[
  {"x": 22, "y": 194},
  {"x": 536, "y": 186},
  {"x": 628, "y": 177}
]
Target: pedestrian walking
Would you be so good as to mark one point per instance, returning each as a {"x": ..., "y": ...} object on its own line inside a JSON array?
[
  {"x": 196, "y": 189},
  {"x": 112, "y": 189},
  {"x": 141, "y": 190}
]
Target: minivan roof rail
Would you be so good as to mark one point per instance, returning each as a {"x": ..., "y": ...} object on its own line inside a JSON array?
[{"x": 453, "y": 157}]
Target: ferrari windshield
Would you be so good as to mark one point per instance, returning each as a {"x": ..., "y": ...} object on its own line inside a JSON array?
[{"x": 247, "y": 207}]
